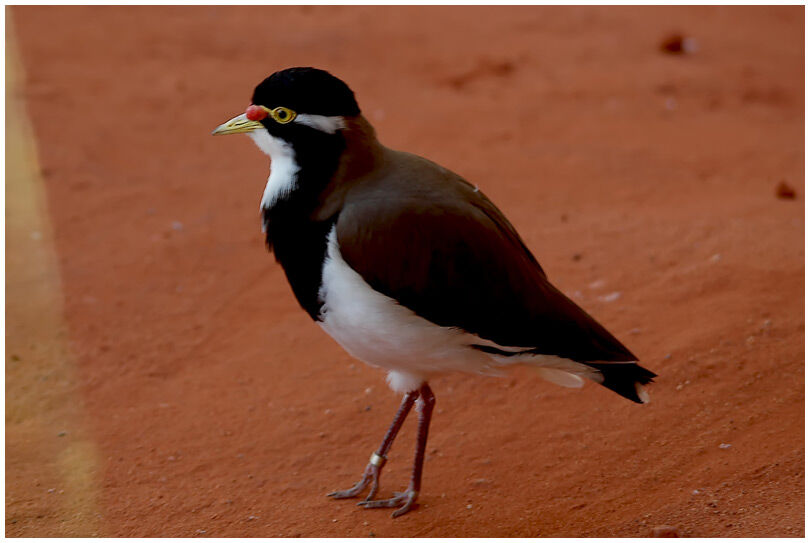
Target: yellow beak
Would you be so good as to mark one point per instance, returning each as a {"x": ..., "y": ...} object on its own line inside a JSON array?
[{"x": 238, "y": 125}]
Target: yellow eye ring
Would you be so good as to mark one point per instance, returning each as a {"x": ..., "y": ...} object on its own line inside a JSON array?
[{"x": 282, "y": 115}]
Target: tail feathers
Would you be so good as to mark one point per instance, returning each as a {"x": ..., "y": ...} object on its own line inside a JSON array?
[
  {"x": 625, "y": 379},
  {"x": 559, "y": 377}
]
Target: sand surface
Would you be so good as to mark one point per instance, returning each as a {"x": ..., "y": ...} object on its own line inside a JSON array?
[{"x": 645, "y": 182}]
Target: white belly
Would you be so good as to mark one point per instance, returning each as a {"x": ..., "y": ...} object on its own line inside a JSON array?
[{"x": 379, "y": 331}]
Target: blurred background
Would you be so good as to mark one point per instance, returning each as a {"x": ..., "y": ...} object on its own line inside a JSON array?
[{"x": 162, "y": 380}]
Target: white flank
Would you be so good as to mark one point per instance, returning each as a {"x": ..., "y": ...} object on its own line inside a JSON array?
[
  {"x": 330, "y": 125},
  {"x": 377, "y": 330},
  {"x": 283, "y": 167}
]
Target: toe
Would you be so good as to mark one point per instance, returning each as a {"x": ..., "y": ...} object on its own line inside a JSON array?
[{"x": 404, "y": 501}]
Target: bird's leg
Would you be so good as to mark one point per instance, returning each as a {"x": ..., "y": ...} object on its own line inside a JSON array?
[
  {"x": 371, "y": 476},
  {"x": 406, "y": 500}
]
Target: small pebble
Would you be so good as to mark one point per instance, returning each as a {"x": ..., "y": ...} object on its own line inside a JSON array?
[
  {"x": 469, "y": 506},
  {"x": 676, "y": 44},
  {"x": 61, "y": 434},
  {"x": 665, "y": 531},
  {"x": 599, "y": 283},
  {"x": 715, "y": 258},
  {"x": 725, "y": 446},
  {"x": 695, "y": 492},
  {"x": 785, "y": 191},
  {"x": 612, "y": 297},
  {"x": 177, "y": 225}
]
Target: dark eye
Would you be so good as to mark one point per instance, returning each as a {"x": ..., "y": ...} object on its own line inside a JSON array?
[{"x": 283, "y": 115}]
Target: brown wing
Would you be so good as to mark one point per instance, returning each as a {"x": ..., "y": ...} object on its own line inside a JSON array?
[{"x": 440, "y": 248}]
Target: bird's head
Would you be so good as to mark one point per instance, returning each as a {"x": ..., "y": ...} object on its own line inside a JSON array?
[{"x": 293, "y": 107}]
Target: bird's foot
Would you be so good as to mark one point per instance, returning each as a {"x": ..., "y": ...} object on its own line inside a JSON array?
[
  {"x": 371, "y": 476},
  {"x": 405, "y": 501}
]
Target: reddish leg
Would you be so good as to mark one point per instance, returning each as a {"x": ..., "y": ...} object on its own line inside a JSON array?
[
  {"x": 371, "y": 475},
  {"x": 405, "y": 501}
]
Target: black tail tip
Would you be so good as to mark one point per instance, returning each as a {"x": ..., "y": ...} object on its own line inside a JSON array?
[{"x": 627, "y": 380}]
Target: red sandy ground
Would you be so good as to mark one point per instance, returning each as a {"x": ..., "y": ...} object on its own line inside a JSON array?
[{"x": 220, "y": 409}]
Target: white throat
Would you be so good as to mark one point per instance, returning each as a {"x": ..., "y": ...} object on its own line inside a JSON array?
[{"x": 283, "y": 167}]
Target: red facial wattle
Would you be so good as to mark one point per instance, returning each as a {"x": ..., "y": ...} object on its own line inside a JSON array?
[{"x": 255, "y": 113}]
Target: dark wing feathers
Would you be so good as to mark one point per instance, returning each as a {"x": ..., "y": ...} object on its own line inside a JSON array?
[{"x": 443, "y": 250}]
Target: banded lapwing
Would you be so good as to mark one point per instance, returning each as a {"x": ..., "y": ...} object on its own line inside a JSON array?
[{"x": 408, "y": 266}]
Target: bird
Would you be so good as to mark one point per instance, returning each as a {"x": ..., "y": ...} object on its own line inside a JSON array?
[{"x": 407, "y": 266}]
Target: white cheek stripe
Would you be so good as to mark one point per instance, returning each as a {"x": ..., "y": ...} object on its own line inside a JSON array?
[
  {"x": 330, "y": 125},
  {"x": 283, "y": 167}
]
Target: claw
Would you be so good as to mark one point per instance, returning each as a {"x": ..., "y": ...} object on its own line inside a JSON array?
[
  {"x": 348, "y": 493},
  {"x": 371, "y": 476},
  {"x": 405, "y": 501}
]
